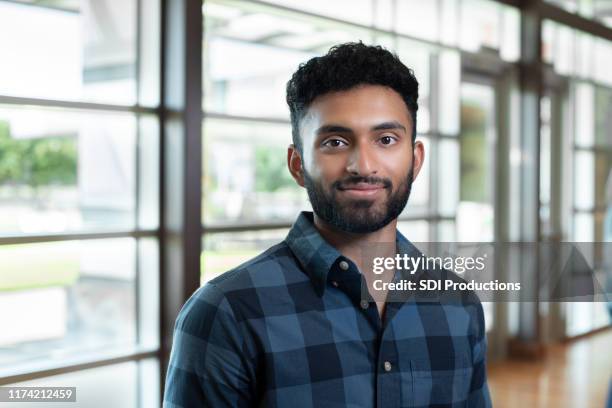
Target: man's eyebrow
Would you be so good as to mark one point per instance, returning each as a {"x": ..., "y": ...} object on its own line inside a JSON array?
[
  {"x": 333, "y": 129},
  {"x": 389, "y": 126},
  {"x": 343, "y": 129}
]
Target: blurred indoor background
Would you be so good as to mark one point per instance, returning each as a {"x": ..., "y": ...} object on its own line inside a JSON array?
[{"x": 143, "y": 152}]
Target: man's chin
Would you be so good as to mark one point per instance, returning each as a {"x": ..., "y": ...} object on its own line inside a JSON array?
[{"x": 361, "y": 221}]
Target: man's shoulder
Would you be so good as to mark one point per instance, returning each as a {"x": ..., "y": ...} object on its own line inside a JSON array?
[
  {"x": 264, "y": 270},
  {"x": 221, "y": 295}
]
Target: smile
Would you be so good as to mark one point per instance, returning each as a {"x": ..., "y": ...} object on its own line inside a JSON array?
[{"x": 363, "y": 190}]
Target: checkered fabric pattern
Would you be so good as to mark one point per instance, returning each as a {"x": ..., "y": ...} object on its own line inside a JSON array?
[{"x": 275, "y": 332}]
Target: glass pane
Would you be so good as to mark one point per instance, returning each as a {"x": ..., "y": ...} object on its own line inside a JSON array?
[
  {"x": 603, "y": 59},
  {"x": 246, "y": 178},
  {"x": 489, "y": 315},
  {"x": 480, "y": 25},
  {"x": 149, "y": 59},
  {"x": 449, "y": 173},
  {"x": 603, "y": 116},
  {"x": 584, "y": 57},
  {"x": 602, "y": 11},
  {"x": 584, "y": 227},
  {"x": 510, "y": 34},
  {"x": 545, "y": 150},
  {"x": 226, "y": 250},
  {"x": 566, "y": 51},
  {"x": 584, "y": 114},
  {"x": 603, "y": 179},
  {"x": 583, "y": 317},
  {"x": 148, "y": 290},
  {"x": 149, "y": 164},
  {"x": 415, "y": 231},
  {"x": 78, "y": 50},
  {"x": 584, "y": 177},
  {"x": 449, "y": 23},
  {"x": 251, "y": 51},
  {"x": 357, "y": 11},
  {"x": 549, "y": 30},
  {"x": 418, "y": 18},
  {"x": 603, "y": 233},
  {"x": 449, "y": 76},
  {"x": 66, "y": 300},
  {"x": 125, "y": 385},
  {"x": 383, "y": 14},
  {"x": 418, "y": 57},
  {"x": 66, "y": 170},
  {"x": 477, "y": 165},
  {"x": 446, "y": 231}
]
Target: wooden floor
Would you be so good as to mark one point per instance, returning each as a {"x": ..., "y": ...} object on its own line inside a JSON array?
[{"x": 573, "y": 375}]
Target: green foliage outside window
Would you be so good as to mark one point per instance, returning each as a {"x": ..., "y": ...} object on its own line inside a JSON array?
[
  {"x": 271, "y": 170},
  {"x": 37, "y": 162},
  {"x": 473, "y": 154}
]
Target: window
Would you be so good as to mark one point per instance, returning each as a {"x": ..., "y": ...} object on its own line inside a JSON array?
[
  {"x": 79, "y": 184},
  {"x": 76, "y": 50}
]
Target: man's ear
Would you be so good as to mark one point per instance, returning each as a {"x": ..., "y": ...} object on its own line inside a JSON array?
[
  {"x": 294, "y": 163},
  {"x": 418, "y": 156}
]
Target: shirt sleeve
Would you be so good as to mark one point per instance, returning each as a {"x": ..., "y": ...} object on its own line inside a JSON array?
[
  {"x": 479, "y": 396},
  {"x": 208, "y": 366}
]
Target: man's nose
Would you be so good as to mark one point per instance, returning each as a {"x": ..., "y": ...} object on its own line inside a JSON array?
[{"x": 362, "y": 161}]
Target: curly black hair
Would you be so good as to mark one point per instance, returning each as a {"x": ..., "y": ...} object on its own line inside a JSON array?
[{"x": 344, "y": 67}]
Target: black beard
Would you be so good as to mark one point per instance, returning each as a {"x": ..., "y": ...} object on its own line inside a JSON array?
[{"x": 358, "y": 216}]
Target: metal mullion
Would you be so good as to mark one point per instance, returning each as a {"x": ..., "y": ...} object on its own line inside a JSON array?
[
  {"x": 531, "y": 84},
  {"x": 559, "y": 15},
  {"x": 242, "y": 118},
  {"x": 181, "y": 162},
  {"x": 74, "y": 105},
  {"x": 595, "y": 149},
  {"x": 161, "y": 176},
  {"x": 77, "y": 236},
  {"x": 33, "y": 375},
  {"x": 596, "y": 209},
  {"x": 137, "y": 176}
]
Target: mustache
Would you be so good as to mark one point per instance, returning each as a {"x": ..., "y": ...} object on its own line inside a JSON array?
[{"x": 353, "y": 180}]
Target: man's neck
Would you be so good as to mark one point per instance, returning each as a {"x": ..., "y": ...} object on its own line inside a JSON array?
[{"x": 351, "y": 245}]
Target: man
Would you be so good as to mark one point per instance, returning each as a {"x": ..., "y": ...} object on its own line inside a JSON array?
[{"x": 291, "y": 327}]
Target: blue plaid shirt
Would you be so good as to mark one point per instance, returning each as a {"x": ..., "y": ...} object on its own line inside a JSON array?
[{"x": 289, "y": 328}]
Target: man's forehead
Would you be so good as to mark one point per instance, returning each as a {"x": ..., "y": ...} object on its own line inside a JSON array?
[{"x": 365, "y": 106}]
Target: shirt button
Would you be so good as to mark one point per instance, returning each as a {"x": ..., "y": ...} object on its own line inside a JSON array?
[
  {"x": 335, "y": 283},
  {"x": 344, "y": 265},
  {"x": 388, "y": 366},
  {"x": 364, "y": 304}
]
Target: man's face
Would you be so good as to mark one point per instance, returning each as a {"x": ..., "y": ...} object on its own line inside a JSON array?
[{"x": 358, "y": 162}]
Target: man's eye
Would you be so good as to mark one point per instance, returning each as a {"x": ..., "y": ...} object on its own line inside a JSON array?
[
  {"x": 334, "y": 143},
  {"x": 387, "y": 140}
]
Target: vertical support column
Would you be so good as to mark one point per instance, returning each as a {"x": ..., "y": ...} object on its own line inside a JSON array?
[
  {"x": 531, "y": 83},
  {"x": 181, "y": 156}
]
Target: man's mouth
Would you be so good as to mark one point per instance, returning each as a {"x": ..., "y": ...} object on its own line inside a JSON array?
[{"x": 362, "y": 190}]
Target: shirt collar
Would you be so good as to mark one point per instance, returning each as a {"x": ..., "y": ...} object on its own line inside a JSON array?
[{"x": 317, "y": 256}]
